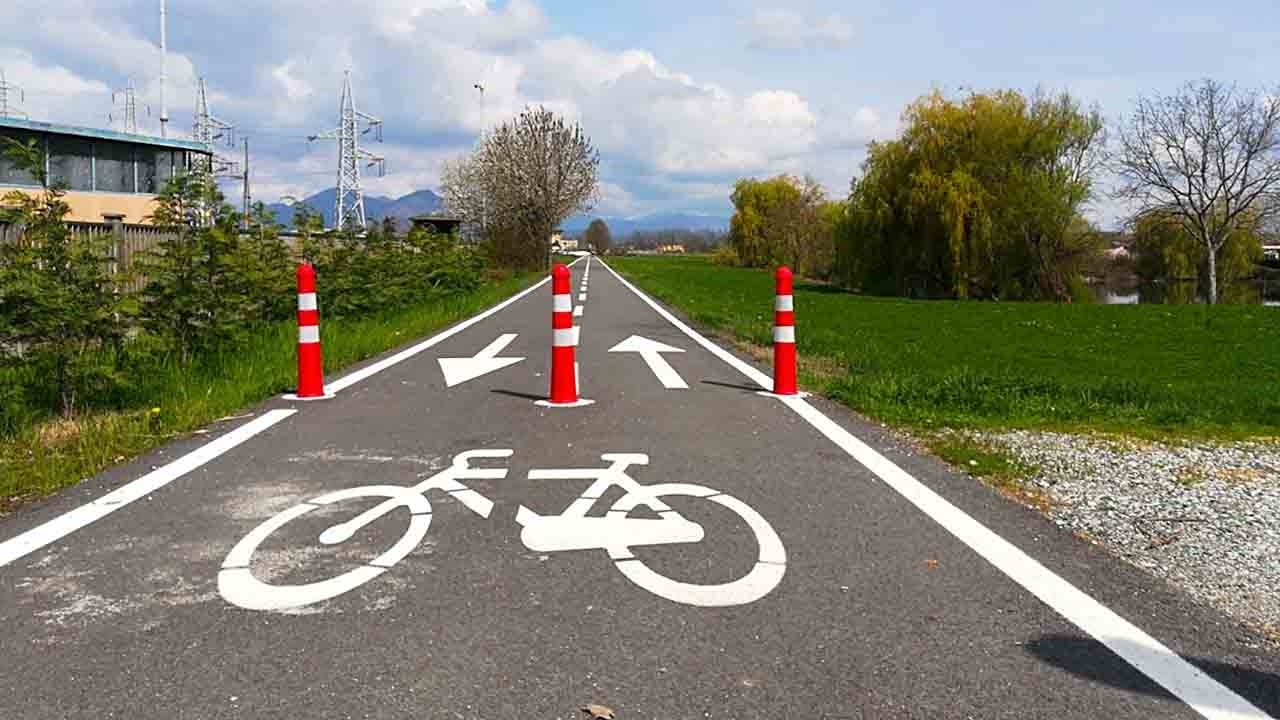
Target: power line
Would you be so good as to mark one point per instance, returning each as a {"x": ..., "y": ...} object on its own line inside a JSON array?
[{"x": 349, "y": 205}]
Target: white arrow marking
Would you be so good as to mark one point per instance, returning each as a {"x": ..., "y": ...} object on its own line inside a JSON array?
[
  {"x": 459, "y": 370},
  {"x": 649, "y": 351}
]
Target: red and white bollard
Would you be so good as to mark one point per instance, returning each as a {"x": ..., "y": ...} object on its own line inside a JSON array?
[
  {"x": 784, "y": 335},
  {"x": 564, "y": 343},
  {"x": 564, "y": 340},
  {"x": 310, "y": 362}
]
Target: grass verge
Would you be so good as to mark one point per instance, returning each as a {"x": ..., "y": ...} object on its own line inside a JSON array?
[
  {"x": 168, "y": 400},
  {"x": 1154, "y": 371}
]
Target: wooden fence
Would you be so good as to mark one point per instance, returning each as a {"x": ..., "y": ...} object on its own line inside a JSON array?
[{"x": 125, "y": 243}]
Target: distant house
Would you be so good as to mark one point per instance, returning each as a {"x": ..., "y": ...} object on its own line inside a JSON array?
[
  {"x": 671, "y": 249},
  {"x": 438, "y": 223},
  {"x": 560, "y": 243},
  {"x": 1116, "y": 245},
  {"x": 108, "y": 174}
]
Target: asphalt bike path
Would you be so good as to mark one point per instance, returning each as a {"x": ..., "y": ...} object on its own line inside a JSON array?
[{"x": 432, "y": 543}]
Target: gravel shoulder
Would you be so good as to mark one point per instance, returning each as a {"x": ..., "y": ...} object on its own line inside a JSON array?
[{"x": 1204, "y": 517}]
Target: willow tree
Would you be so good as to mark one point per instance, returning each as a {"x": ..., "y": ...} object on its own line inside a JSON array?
[{"x": 979, "y": 197}]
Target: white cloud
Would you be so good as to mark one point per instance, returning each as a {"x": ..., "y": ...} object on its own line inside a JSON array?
[
  {"x": 616, "y": 200},
  {"x": 50, "y": 90},
  {"x": 667, "y": 138},
  {"x": 781, "y": 29}
]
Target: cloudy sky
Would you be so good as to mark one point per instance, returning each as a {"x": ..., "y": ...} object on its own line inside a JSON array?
[{"x": 681, "y": 97}]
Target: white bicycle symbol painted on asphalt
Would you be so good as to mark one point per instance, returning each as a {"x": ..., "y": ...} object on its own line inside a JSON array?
[{"x": 615, "y": 533}]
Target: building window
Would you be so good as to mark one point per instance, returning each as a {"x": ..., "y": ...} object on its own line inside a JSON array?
[
  {"x": 114, "y": 170},
  {"x": 149, "y": 169},
  {"x": 10, "y": 172},
  {"x": 71, "y": 162}
]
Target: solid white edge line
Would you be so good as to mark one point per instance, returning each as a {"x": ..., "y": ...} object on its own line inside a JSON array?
[
  {"x": 368, "y": 371},
  {"x": 67, "y": 523},
  {"x": 1206, "y": 696}
]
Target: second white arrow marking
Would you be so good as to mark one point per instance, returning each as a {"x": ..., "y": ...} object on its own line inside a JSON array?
[
  {"x": 650, "y": 351},
  {"x": 459, "y": 370}
]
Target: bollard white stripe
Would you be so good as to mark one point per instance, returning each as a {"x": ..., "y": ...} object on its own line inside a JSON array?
[
  {"x": 1206, "y": 696},
  {"x": 565, "y": 337},
  {"x": 307, "y": 301},
  {"x": 308, "y": 334},
  {"x": 784, "y": 303},
  {"x": 67, "y": 523},
  {"x": 562, "y": 303},
  {"x": 784, "y": 334}
]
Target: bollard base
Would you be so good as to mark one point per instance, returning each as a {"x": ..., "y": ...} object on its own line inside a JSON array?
[
  {"x": 766, "y": 393},
  {"x": 294, "y": 397},
  {"x": 580, "y": 402}
]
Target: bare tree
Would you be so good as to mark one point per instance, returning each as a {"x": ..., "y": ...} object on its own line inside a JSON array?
[
  {"x": 1209, "y": 156},
  {"x": 464, "y": 192},
  {"x": 523, "y": 179}
]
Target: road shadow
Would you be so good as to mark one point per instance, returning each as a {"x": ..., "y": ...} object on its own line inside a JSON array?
[
  {"x": 734, "y": 386},
  {"x": 522, "y": 396},
  {"x": 1090, "y": 659}
]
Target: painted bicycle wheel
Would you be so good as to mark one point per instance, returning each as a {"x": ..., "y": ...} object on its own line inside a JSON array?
[
  {"x": 764, "y": 576},
  {"x": 240, "y": 587}
]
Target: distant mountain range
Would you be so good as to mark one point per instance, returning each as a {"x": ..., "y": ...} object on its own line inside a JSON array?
[
  {"x": 622, "y": 227},
  {"x": 375, "y": 206},
  {"x": 426, "y": 201}
]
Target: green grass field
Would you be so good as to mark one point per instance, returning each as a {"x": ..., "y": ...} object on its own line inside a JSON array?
[
  {"x": 1147, "y": 370},
  {"x": 168, "y": 400}
]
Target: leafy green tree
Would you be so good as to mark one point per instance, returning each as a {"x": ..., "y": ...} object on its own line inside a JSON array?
[
  {"x": 783, "y": 220},
  {"x": 598, "y": 236},
  {"x": 263, "y": 267},
  {"x": 979, "y": 197},
  {"x": 58, "y": 306},
  {"x": 195, "y": 296}
]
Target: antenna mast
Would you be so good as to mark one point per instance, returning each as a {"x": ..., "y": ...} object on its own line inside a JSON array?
[{"x": 164, "y": 76}]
